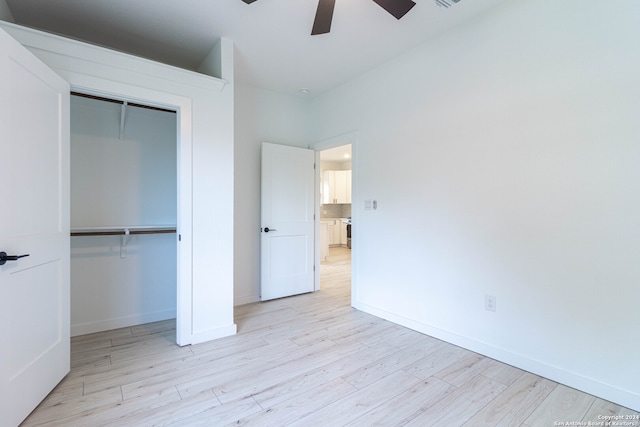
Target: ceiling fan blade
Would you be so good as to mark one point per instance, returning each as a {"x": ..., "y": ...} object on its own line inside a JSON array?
[
  {"x": 248, "y": 1},
  {"x": 397, "y": 8},
  {"x": 324, "y": 15}
]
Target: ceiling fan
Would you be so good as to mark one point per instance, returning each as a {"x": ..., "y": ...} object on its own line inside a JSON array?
[{"x": 324, "y": 13}]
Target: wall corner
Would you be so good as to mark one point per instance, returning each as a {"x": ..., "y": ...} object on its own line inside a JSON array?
[{"x": 219, "y": 62}]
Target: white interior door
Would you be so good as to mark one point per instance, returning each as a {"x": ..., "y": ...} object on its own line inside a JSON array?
[
  {"x": 287, "y": 242},
  {"x": 34, "y": 220}
]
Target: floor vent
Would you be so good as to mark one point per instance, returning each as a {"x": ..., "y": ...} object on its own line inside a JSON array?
[{"x": 446, "y": 3}]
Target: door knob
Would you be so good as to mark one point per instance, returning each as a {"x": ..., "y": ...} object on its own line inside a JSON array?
[
  {"x": 4, "y": 257},
  {"x": 267, "y": 229}
]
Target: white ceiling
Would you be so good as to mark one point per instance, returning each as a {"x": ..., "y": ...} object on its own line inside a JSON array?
[
  {"x": 274, "y": 48},
  {"x": 338, "y": 154}
]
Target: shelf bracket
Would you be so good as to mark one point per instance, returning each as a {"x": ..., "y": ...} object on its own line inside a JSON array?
[
  {"x": 123, "y": 113},
  {"x": 123, "y": 243}
]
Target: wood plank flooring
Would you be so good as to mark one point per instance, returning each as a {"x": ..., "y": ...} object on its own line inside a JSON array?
[{"x": 308, "y": 360}]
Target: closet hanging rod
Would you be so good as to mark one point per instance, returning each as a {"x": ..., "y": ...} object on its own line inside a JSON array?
[
  {"x": 122, "y": 231},
  {"x": 116, "y": 101}
]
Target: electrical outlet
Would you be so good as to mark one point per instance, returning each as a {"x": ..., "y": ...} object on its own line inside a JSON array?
[{"x": 490, "y": 302}]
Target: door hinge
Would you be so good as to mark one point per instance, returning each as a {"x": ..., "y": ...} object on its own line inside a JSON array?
[
  {"x": 179, "y": 237},
  {"x": 314, "y": 166}
]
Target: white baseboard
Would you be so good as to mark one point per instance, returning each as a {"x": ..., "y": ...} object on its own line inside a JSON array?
[
  {"x": 122, "y": 322},
  {"x": 213, "y": 334},
  {"x": 605, "y": 391},
  {"x": 247, "y": 299}
]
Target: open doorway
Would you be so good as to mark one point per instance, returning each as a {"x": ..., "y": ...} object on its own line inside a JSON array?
[{"x": 335, "y": 236}]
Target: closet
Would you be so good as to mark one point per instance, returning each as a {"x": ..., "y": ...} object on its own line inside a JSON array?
[{"x": 123, "y": 213}]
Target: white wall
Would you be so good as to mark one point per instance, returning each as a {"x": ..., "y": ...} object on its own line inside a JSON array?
[
  {"x": 5, "y": 13},
  {"x": 108, "y": 291},
  {"x": 117, "y": 181},
  {"x": 260, "y": 116},
  {"x": 127, "y": 179},
  {"x": 506, "y": 152}
]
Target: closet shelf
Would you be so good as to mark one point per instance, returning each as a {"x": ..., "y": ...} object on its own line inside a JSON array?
[{"x": 123, "y": 231}]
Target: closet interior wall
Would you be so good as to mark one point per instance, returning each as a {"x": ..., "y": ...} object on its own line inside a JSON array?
[{"x": 123, "y": 176}]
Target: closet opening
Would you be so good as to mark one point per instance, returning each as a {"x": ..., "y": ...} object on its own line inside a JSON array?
[{"x": 124, "y": 204}]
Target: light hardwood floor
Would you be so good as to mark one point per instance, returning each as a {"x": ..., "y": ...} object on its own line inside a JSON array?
[{"x": 309, "y": 360}]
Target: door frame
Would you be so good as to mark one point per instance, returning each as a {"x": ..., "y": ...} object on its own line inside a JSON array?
[
  {"x": 204, "y": 106},
  {"x": 325, "y": 144},
  {"x": 182, "y": 105}
]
